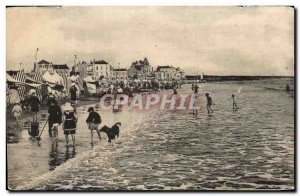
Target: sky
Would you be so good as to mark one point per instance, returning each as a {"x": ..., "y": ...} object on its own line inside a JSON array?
[{"x": 214, "y": 40}]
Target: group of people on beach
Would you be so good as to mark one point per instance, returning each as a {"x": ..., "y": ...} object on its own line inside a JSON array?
[
  {"x": 210, "y": 103},
  {"x": 64, "y": 115},
  {"x": 67, "y": 115},
  {"x": 34, "y": 104}
]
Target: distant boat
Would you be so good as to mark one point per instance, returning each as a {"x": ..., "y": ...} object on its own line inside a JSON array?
[{"x": 202, "y": 80}]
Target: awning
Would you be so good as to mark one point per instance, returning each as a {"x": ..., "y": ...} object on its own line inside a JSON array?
[
  {"x": 28, "y": 79},
  {"x": 52, "y": 78},
  {"x": 32, "y": 85},
  {"x": 11, "y": 79}
]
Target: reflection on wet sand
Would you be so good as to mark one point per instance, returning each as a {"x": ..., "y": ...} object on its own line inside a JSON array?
[{"x": 57, "y": 157}]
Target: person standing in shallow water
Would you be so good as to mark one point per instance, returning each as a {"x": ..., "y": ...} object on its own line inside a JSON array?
[
  {"x": 50, "y": 99},
  {"x": 34, "y": 104},
  {"x": 73, "y": 92},
  {"x": 234, "y": 103},
  {"x": 93, "y": 121},
  {"x": 55, "y": 116},
  {"x": 196, "y": 89},
  {"x": 193, "y": 86},
  {"x": 209, "y": 103},
  {"x": 174, "y": 91},
  {"x": 70, "y": 122}
]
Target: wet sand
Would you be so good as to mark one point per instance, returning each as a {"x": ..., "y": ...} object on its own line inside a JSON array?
[{"x": 30, "y": 158}]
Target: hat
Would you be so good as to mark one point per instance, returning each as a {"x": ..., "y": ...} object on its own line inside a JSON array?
[
  {"x": 73, "y": 83},
  {"x": 68, "y": 107},
  {"x": 90, "y": 109}
]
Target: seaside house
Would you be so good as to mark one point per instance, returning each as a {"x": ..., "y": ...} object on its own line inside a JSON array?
[
  {"x": 100, "y": 69},
  {"x": 85, "y": 68},
  {"x": 180, "y": 74},
  {"x": 133, "y": 72},
  {"x": 140, "y": 69},
  {"x": 167, "y": 72},
  {"x": 61, "y": 68},
  {"x": 42, "y": 66},
  {"x": 120, "y": 74}
]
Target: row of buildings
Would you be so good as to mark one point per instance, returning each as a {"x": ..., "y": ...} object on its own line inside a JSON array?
[{"x": 99, "y": 69}]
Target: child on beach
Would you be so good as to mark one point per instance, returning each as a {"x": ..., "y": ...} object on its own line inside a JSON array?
[
  {"x": 234, "y": 104},
  {"x": 17, "y": 110},
  {"x": 70, "y": 121},
  {"x": 73, "y": 92},
  {"x": 54, "y": 118},
  {"x": 174, "y": 91},
  {"x": 93, "y": 121},
  {"x": 34, "y": 103},
  {"x": 196, "y": 91},
  {"x": 193, "y": 86},
  {"x": 196, "y": 104},
  {"x": 209, "y": 103}
]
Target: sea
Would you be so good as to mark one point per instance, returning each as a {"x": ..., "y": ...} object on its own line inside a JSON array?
[{"x": 250, "y": 148}]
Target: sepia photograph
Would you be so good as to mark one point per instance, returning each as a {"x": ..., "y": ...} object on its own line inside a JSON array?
[{"x": 150, "y": 98}]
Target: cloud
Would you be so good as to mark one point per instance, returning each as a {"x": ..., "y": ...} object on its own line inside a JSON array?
[{"x": 214, "y": 40}]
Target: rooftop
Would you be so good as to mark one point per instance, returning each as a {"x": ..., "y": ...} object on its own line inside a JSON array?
[
  {"x": 43, "y": 62},
  {"x": 165, "y": 67},
  {"x": 100, "y": 62},
  {"x": 121, "y": 69},
  {"x": 60, "y": 66}
]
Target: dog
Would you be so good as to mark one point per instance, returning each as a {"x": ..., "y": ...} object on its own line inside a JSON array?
[{"x": 112, "y": 132}]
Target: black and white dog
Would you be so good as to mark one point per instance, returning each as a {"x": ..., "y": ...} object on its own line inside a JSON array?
[{"x": 112, "y": 132}]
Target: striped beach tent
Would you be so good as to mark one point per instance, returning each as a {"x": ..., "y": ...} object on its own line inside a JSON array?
[
  {"x": 20, "y": 76},
  {"x": 41, "y": 90},
  {"x": 65, "y": 81},
  {"x": 26, "y": 80},
  {"x": 78, "y": 80}
]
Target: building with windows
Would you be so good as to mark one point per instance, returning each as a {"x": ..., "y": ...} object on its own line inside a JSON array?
[
  {"x": 180, "y": 74},
  {"x": 100, "y": 69},
  {"x": 140, "y": 69},
  {"x": 166, "y": 72},
  {"x": 61, "y": 68},
  {"x": 120, "y": 74},
  {"x": 42, "y": 66}
]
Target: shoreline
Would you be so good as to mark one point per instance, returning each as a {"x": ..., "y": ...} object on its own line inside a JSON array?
[
  {"x": 83, "y": 149},
  {"x": 216, "y": 79}
]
